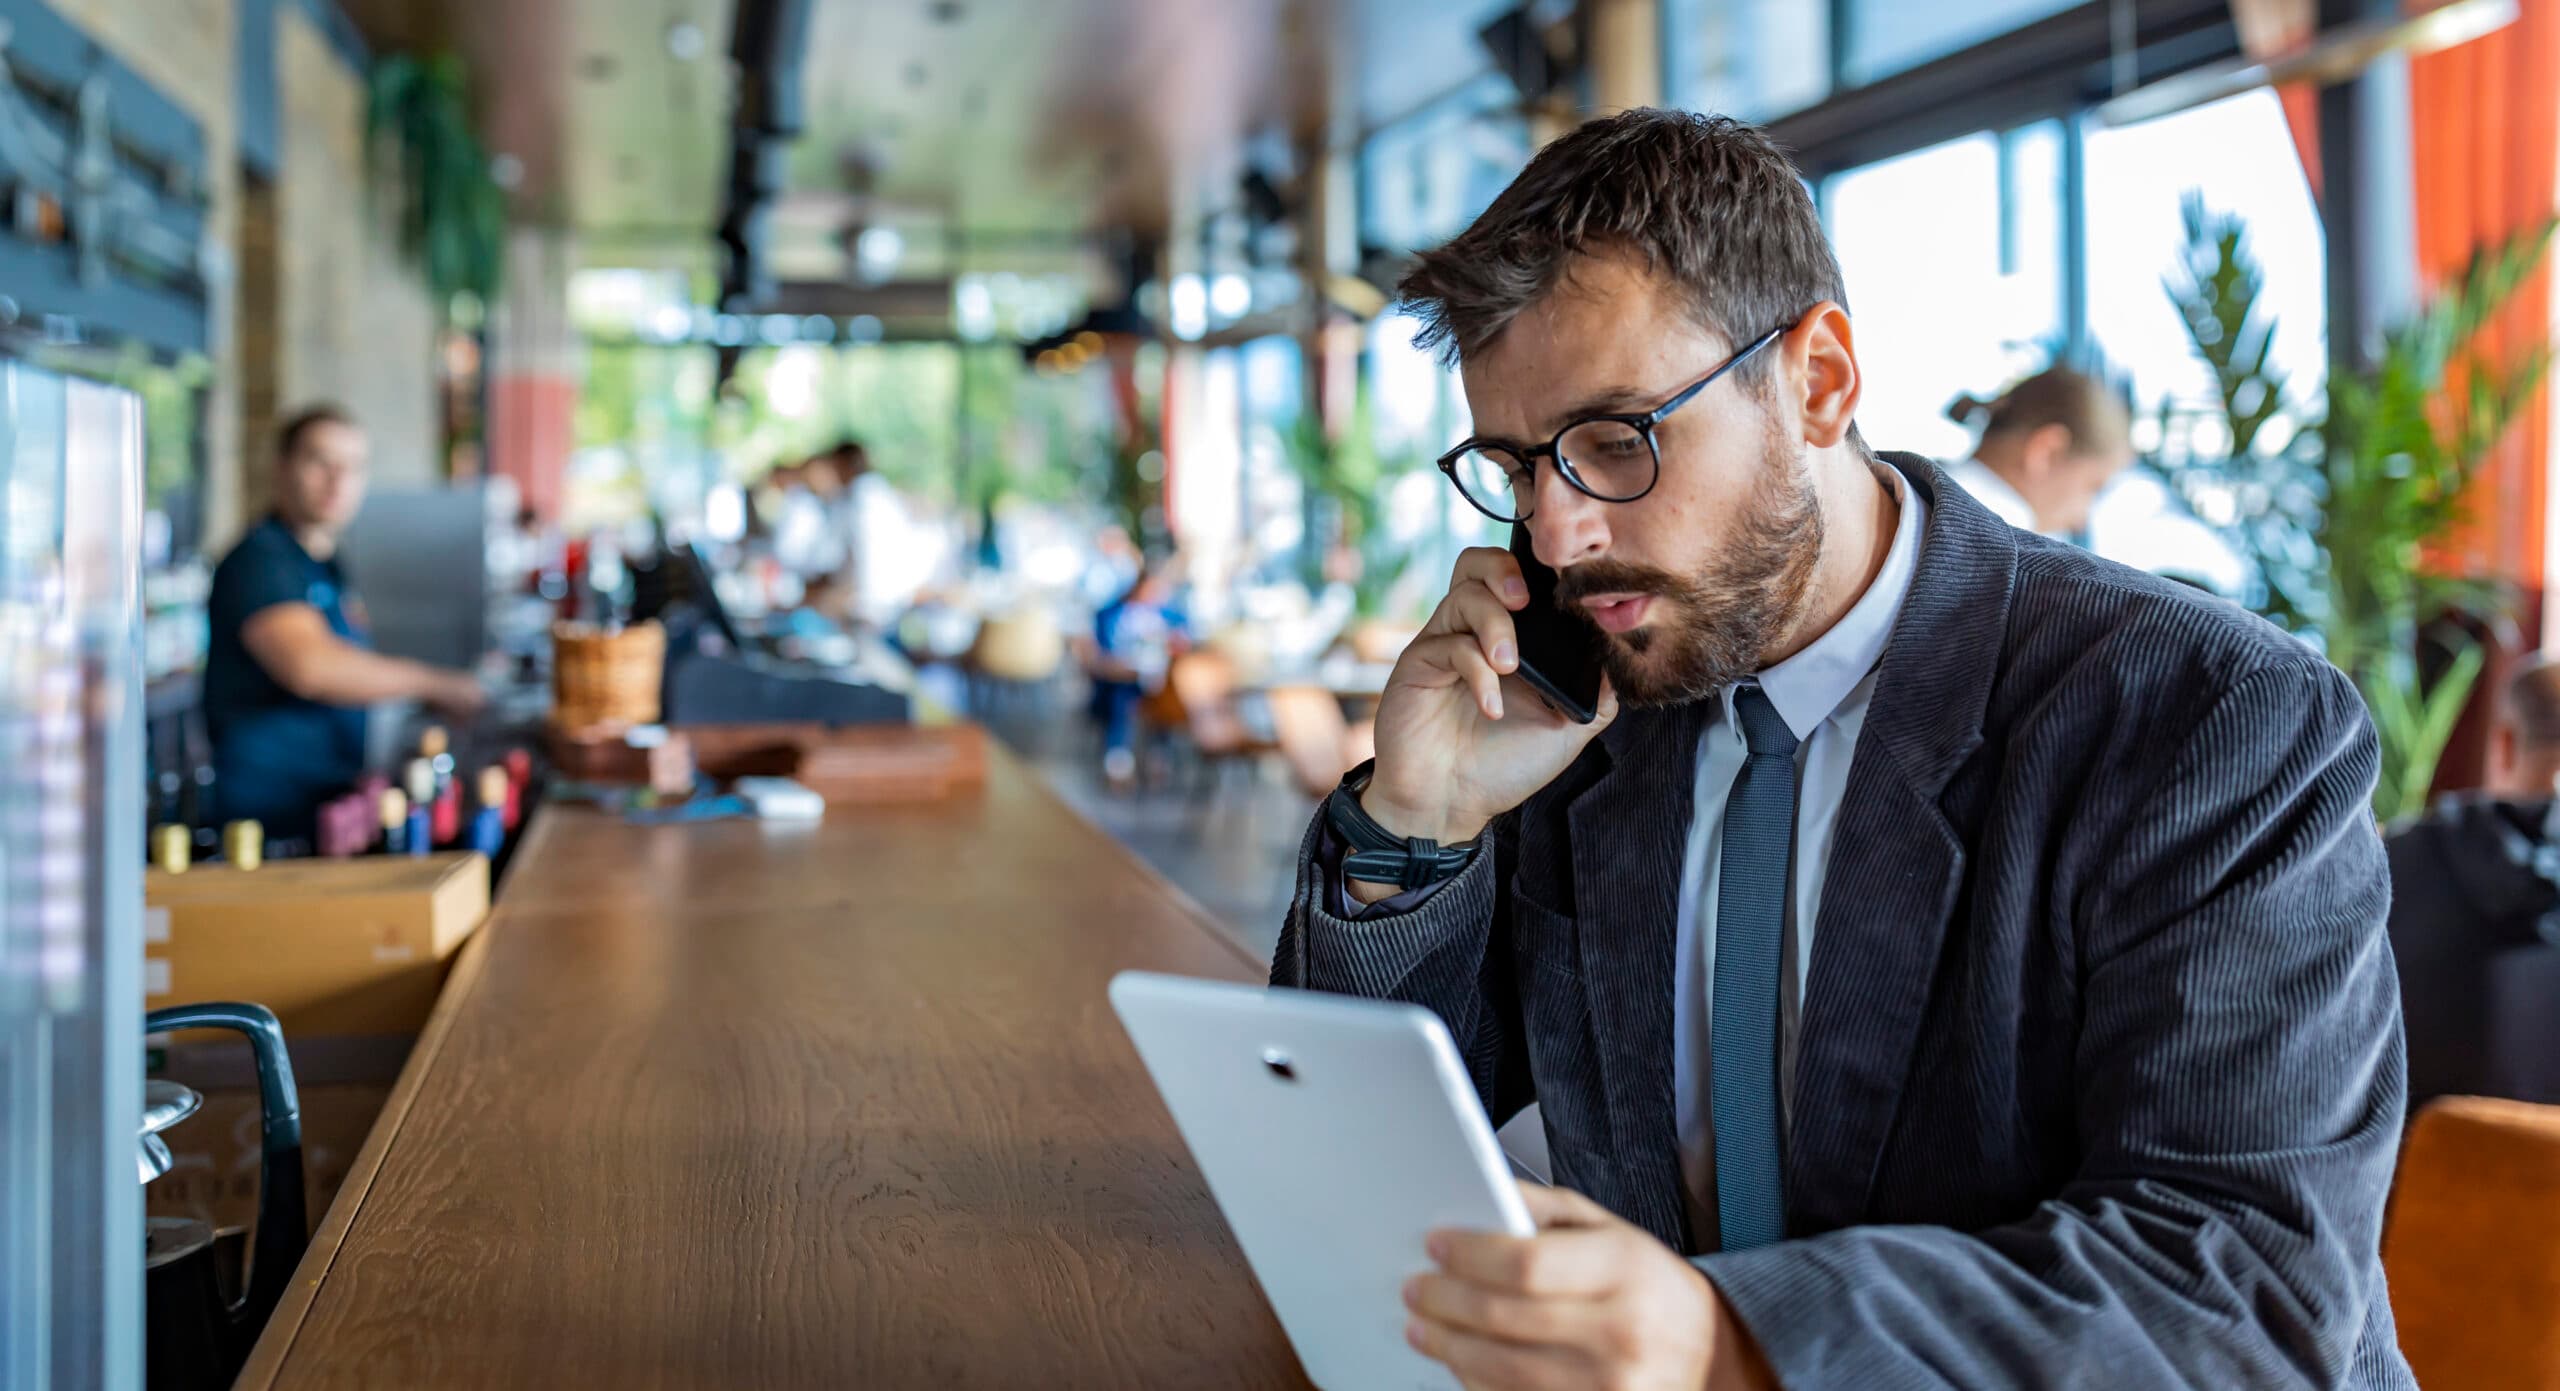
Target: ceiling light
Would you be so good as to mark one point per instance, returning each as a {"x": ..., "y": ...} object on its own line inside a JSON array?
[
  {"x": 1230, "y": 295},
  {"x": 1187, "y": 305},
  {"x": 877, "y": 250},
  {"x": 685, "y": 41}
]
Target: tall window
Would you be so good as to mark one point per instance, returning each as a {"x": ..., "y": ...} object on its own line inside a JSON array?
[
  {"x": 1756, "y": 59},
  {"x": 2240, "y": 156},
  {"x": 1423, "y": 181},
  {"x": 1953, "y": 287},
  {"x": 2137, "y": 178}
]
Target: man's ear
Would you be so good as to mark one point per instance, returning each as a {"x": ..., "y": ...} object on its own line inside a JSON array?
[{"x": 1821, "y": 355}]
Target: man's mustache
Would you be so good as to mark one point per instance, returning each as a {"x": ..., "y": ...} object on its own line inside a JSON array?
[{"x": 1611, "y": 577}]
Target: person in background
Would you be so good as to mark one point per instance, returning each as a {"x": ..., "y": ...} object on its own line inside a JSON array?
[
  {"x": 2049, "y": 447},
  {"x": 2475, "y": 916},
  {"x": 834, "y": 479},
  {"x": 1111, "y": 569},
  {"x": 803, "y": 538},
  {"x": 1134, "y": 639},
  {"x": 290, "y": 669}
]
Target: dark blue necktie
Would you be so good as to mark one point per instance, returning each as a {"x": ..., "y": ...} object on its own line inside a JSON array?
[{"x": 1742, "y": 1031}]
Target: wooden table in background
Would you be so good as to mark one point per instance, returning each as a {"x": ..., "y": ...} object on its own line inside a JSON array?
[{"x": 733, "y": 1106}]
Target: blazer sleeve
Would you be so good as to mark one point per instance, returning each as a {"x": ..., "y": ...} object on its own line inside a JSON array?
[
  {"x": 1448, "y": 954},
  {"x": 2240, "y": 1083}
]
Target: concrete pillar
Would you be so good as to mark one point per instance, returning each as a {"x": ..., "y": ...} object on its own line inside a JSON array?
[
  {"x": 1329, "y": 246},
  {"x": 2368, "y": 194},
  {"x": 1625, "y": 47},
  {"x": 534, "y": 369}
]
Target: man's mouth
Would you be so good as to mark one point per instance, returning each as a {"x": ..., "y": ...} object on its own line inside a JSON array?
[{"x": 1617, "y": 613}]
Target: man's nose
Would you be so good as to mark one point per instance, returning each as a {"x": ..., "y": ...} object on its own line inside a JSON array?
[{"x": 1568, "y": 526}]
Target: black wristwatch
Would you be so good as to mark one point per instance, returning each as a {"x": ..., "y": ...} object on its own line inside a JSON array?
[{"x": 1378, "y": 856}]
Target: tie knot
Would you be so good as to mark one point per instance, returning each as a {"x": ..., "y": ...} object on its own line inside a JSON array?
[{"x": 1764, "y": 730}]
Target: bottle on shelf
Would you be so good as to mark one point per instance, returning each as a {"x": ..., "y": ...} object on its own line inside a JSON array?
[
  {"x": 244, "y": 844},
  {"x": 489, "y": 824},
  {"x": 172, "y": 847},
  {"x": 445, "y": 800},
  {"x": 519, "y": 772},
  {"x": 395, "y": 821}
]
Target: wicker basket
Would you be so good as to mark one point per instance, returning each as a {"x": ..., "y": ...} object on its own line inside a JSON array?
[{"x": 606, "y": 678}]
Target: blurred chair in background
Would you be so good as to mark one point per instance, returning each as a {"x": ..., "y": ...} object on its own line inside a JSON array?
[
  {"x": 1317, "y": 743},
  {"x": 2472, "y": 1247},
  {"x": 1015, "y": 665},
  {"x": 1203, "y": 683}
]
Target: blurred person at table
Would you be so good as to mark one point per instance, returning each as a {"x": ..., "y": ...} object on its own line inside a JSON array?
[
  {"x": 804, "y": 538},
  {"x": 2049, "y": 447},
  {"x": 1135, "y": 637},
  {"x": 2475, "y": 916},
  {"x": 291, "y": 670},
  {"x": 1947, "y": 959},
  {"x": 1111, "y": 568},
  {"x": 882, "y": 554}
]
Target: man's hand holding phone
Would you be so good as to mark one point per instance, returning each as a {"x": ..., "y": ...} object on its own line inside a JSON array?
[{"x": 1461, "y": 738}]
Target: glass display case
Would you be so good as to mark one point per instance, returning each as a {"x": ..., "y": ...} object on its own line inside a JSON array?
[{"x": 71, "y": 865}]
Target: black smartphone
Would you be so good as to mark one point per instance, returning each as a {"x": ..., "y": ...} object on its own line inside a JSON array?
[{"x": 1559, "y": 653}]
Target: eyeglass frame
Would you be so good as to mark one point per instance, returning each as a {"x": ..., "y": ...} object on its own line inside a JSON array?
[{"x": 1642, "y": 422}]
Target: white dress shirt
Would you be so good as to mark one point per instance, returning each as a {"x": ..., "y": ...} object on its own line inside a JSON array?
[
  {"x": 1994, "y": 492},
  {"x": 1822, "y": 693}
]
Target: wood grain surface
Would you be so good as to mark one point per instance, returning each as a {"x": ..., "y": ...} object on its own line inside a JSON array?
[{"x": 843, "y": 1106}]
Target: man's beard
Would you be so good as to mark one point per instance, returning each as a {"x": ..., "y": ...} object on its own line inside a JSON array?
[{"x": 1715, "y": 626}]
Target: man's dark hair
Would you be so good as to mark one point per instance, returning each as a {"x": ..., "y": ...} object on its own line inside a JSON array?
[
  {"x": 302, "y": 422},
  {"x": 2533, "y": 702},
  {"x": 1709, "y": 203},
  {"x": 848, "y": 457},
  {"x": 2095, "y": 414}
]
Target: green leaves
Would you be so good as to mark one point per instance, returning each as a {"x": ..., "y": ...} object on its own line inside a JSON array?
[
  {"x": 1353, "y": 478},
  {"x": 2413, "y": 727},
  {"x": 425, "y": 158},
  {"x": 2337, "y": 519}
]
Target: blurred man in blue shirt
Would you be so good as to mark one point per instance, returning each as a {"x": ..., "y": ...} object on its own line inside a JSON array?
[{"x": 290, "y": 669}]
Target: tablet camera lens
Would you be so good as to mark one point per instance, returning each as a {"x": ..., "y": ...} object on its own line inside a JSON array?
[{"x": 1279, "y": 1064}]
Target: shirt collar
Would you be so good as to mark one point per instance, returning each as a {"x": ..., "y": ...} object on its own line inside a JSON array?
[
  {"x": 1808, "y": 687},
  {"x": 1994, "y": 492}
]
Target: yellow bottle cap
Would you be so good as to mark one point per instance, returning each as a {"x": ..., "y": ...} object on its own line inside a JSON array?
[{"x": 244, "y": 844}]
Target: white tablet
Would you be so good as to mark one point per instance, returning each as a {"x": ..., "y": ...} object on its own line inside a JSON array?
[{"x": 1335, "y": 1133}]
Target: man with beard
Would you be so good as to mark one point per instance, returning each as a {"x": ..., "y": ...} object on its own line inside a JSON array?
[{"x": 1949, "y": 959}]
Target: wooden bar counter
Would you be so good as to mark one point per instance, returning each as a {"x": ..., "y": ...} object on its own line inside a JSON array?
[{"x": 734, "y": 1105}]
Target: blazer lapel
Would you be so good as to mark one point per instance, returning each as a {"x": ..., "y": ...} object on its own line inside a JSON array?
[
  {"x": 1891, "y": 890},
  {"x": 1628, "y": 830}
]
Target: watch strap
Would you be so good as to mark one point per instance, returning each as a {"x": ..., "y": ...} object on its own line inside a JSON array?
[{"x": 1379, "y": 856}]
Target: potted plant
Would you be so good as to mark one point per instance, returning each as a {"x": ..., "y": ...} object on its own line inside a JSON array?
[
  {"x": 446, "y": 206},
  {"x": 1347, "y": 481},
  {"x": 2336, "y": 508}
]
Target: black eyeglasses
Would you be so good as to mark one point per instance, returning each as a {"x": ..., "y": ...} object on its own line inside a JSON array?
[{"x": 1610, "y": 457}]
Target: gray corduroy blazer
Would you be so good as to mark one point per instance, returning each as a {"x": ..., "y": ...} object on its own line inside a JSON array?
[{"x": 2099, "y": 1078}]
